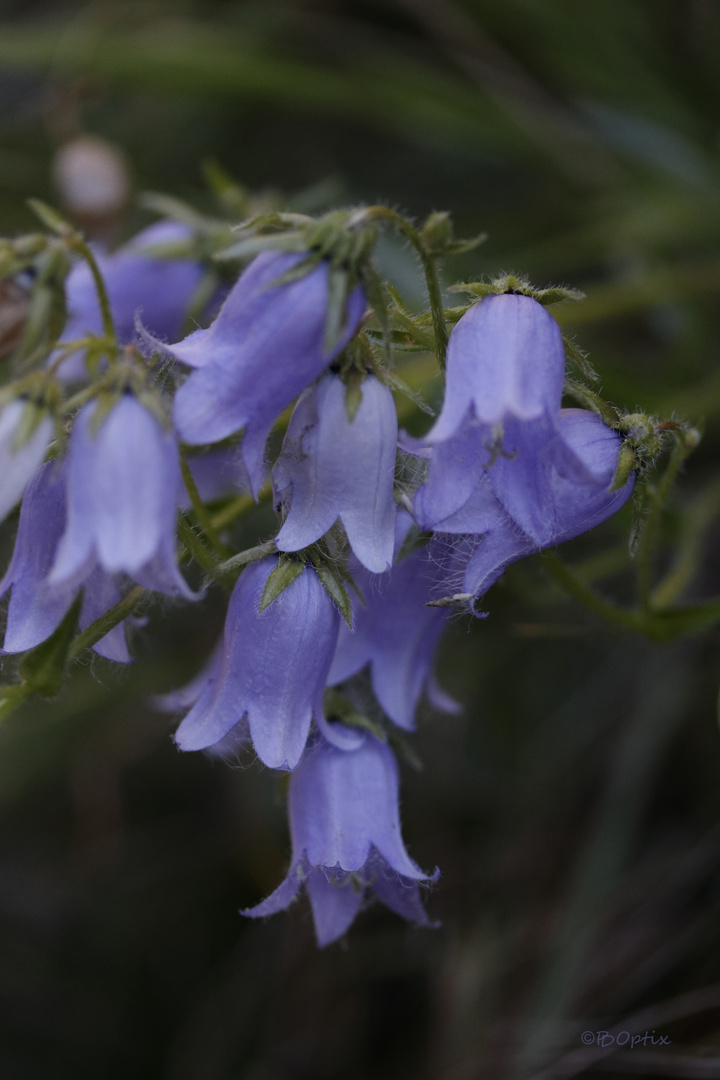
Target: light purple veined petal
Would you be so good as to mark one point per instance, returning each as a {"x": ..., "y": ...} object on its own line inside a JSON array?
[
  {"x": 523, "y": 481},
  {"x": 274, "y": 666},
  {"x": 335, "y": 902},
  {"x": 352, "y": 652},
  {"x": 230, "y": 746},
  {"x": 19, "y": 464},
  {"x": 505, "y": 359},
  {"x": 265, "y": 346},
  {"x": 162, "y": 574},
  {"x": 342, "y": 802},
  {"x": 457, "y": 467},
  {"x": 100, "y": 593},
  {"x": 76, "y": 550},
  {"x": 495, "y": 551},
  {"x": 281, "y": 898},
  {"x": 342, "y": 468}
]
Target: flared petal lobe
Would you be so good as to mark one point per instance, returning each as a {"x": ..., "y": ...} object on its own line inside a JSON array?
[
  {"x": 336, "y": 467},
  {"x": 505, "y": 359},
  {"x": 273, "y": 668}
]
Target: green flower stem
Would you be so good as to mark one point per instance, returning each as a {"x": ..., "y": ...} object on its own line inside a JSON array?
[
  {"x": 107, "y": 622},
  {"x": 648, "y": 539},
  {"x": 195, "y": 547},
  {"x": 571, "y": 584},
  {"x": 11, "y": 697},
  {"x": 696, "y": 520},
  {"x": 201, "y": 512},
  {"x": 238, "y": 507},
  {"x": 83, "y": 249},
  {"x": 429, "y": 265}
]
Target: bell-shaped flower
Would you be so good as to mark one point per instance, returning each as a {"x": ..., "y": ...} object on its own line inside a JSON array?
[
  {"x": 25, "y": 435},
  {"x": 265, "y": 346},
  {"x": 332, "y": 466},
  {"x": 572, "y": 506},
  {"x": 273, "y": 668},
  {"x": 346, "y": 838},
  {"x": 37, "y": 606},
  {"x": 505, "y": 360},
  {"x": 123, "y": 482},
  {"x": 395, "y": 633},
  {"x": 138, "y": 284}
]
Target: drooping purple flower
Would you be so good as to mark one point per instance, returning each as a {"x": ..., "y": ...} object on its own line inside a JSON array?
[
  {"x": 395, "y": 633},
  {"x": 123, "y": 482},
  {"x": 273, "y": 667},
  {"x": 331, "y": 467},
  {"x": 37, "y": 606},
  {"x": 493, "y": 510},
  {"x": 19, "y": 461},
  {"x": 138, "y": 284},
  {"x": 346, "y": 838},
  {"x": 262, "y": 350}
]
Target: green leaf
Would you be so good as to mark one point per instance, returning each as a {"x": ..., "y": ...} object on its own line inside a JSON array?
[
  {"x": 283, "y": 575},
  {"x": 50, "y": 217},
  {"x": 391, "y": 379},
  {"x": 43, "y": 668},
  {"x": 338, "y": 290},
  {"x": 253, "y": 554}
]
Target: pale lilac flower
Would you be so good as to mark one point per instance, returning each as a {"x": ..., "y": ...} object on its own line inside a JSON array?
[
  {"x": 138, "y": 284},
  {"x": 18, "y": 463},
  {"x": 345, "y": 829},
  {"x": 395, "y": 633},
  {"x": 331, "y": 467},
  {"x": 494, "y": 510},
  {"x": 262, "y": 350},
  {"x": 37, "y": 606},
  {"x": 123, "y": 482},
  {"x": 272, "y": 668}
]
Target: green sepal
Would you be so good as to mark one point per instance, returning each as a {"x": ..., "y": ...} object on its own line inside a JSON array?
[
  {"x": 394, "y": 382},
  {"x": 399, "y": 312},
  {"x": 233, "y": 197},
  {"x": 415, "y": 539},
  {"x": 335, "y": 316},
  {"x": 438, "y": 237},
  {"x": 375, "y": 292},
  {"x": 286, "y": 571},
  {"x": 510, "y": 283},
  {"x": 627, "y": 461},
  {"x": 339, "y": 708},
  {"x": 334, "y": 588},
  {"x": 576, "y": 356},
  {"x": 43, "y": 668},
  {"x": 251, "y": 246},
  {"x": 177, "y": 210},
  {"x": 353, "y": 393},
  {"x": 51, "y": 218},
  {"x": 590, "y": 400},
  {"x": 243, "y": 558}
]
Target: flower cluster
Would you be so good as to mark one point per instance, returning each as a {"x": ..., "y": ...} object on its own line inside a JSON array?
[{"x": 333, "y": 623}]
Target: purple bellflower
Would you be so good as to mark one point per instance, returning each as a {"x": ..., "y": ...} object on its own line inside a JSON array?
[
  {"x": 123, "y": 484},
  {"x": 18, "y": 463},
  {"x": 505, "y": 374},
  {"x": 37, "y": 607},
  {"x": 345, "y": 829},
  {"x": 262, "y": 350},
  {"x": 331, "y": 467},
  {"x": 273, "y": 668},
  {"x": 395, "y": 633},
  {"x": 159, "y": 290},
  {"x": 572, "y": 507}
]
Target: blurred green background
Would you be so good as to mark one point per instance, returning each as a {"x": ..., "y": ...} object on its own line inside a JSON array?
[{"x": 573, "y": 806}]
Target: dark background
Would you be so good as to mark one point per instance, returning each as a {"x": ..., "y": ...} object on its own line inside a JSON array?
[{"x": 573, "y": 807}]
